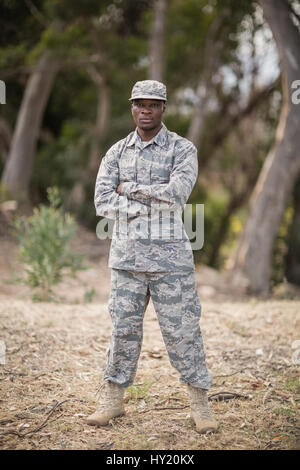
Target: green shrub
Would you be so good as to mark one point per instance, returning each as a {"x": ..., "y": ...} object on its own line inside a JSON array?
[{"x": 44, "y": 246}]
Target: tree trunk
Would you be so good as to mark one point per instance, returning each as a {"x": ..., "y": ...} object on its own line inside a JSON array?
[
  {"x": 5, "y": 139},
  {"x": 18, "y": 169},
  {"x": 293, "y": 256},
  {"x": 236, "y": 201},
  {"x": 282, "y": 164},
  {"x": 103, "y": 112},
  {"x": 211, "y": 52},
  {"x": 157, "y": 41},
  {"x": 78, "y": 193},
  {"x": 196, "y": 127}
]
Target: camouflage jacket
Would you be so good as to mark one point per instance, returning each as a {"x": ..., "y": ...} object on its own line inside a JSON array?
[{"x": 157, "y": 178}]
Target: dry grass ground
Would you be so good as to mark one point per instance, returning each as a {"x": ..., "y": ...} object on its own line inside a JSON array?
[{"x": 55, "y": 353}]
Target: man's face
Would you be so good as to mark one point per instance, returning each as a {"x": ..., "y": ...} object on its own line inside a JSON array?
[{"x": 147, "y": 114}]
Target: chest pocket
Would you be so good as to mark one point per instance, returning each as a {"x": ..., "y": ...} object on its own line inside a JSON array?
[
  {"x": 160, "y": 172},
  {"x": 127, "y": 168}
]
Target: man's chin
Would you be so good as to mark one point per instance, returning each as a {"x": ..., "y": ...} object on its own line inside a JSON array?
[{"x": 147, "y": 126}]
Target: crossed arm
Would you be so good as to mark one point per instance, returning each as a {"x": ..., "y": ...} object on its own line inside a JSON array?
[
  {"x": 108, "y": 202},
  {"x": 171, "y": 195},
  {"x": 131, "y": 199}
]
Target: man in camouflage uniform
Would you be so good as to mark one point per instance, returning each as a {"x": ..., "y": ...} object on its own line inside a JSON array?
[{"x": 143, "y": 183}]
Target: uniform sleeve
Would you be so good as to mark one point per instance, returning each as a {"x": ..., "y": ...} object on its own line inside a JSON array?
[
  {"x": 175, "y": 193},
  {"x": 107, "y": 201}
]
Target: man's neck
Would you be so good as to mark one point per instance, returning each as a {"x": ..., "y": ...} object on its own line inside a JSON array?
[{"x": 148, "y": 135}]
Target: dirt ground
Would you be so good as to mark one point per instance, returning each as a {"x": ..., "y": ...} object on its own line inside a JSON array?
[{"x": 55, "y": 354}]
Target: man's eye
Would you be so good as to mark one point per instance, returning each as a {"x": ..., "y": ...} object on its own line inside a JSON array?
[{"x": 151, "y": 106}]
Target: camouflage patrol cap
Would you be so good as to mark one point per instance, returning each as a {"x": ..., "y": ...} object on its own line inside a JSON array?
[{"x": 149, "y": 89}]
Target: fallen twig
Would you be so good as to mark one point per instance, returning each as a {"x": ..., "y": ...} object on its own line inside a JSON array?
[
  {"x": 34, "y": 377},
  {"x": 220, "y": 396},
  {"x": 228, "y": 375},
  {"x": 40, "y": 426},
  {"x": 10, "y": 372},
  {"x": 6, "y": 421},
  {"x": 165, "y": 408},
  {"x": 216, "y": 396}
]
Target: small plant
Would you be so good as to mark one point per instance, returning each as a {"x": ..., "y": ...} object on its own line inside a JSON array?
[
  {"x": 137, "y": 391},
  {"x": 293, "y": 384},
  {"x": 284, "y": 411},
  {"x": 89, "y": 294},
  {"x": 44, "y": 246}
]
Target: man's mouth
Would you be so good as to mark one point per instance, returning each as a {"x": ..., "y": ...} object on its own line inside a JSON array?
[{"x": 146, "y": 120}]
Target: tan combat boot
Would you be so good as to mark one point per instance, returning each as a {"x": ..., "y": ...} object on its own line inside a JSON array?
[
  {"x": 200, "y": 413},
  {"x": 111, "y": 404}
]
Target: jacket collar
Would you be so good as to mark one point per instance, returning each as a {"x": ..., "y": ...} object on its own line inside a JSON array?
[{"x": 161, "y": 138}]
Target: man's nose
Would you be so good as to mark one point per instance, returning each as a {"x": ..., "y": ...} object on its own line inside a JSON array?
[{"x": 146, "y": 110}]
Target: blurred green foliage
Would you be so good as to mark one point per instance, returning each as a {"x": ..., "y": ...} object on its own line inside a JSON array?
[
  {"x": 44, "y": 246},
  {"x": 113, "y": 37}
]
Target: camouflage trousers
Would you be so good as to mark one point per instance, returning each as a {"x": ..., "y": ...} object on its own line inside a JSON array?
[{"x": 178, "y": 310}]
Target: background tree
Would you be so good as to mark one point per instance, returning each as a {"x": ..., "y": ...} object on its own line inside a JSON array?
[
  {"x": 19, "y": 163},
  {"x": 282, "y": 165},
  {"x": 292, "y": 271},
  {"x": 157, "y": 40}
]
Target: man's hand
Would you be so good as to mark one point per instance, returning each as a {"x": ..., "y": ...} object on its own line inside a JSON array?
[{"x": 119, "y": 191}]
